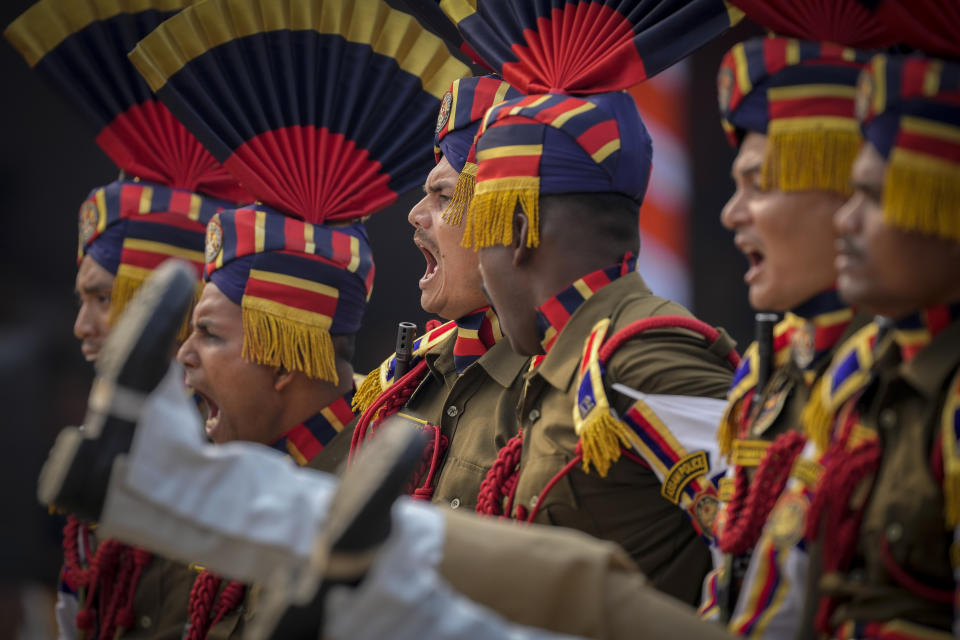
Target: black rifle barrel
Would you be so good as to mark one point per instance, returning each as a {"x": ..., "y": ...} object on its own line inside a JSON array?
[
  {"x": 765, "y": 322},
  {"x": 406, "y": 332}
]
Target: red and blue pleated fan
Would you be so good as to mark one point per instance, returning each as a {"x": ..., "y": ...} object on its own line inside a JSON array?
[
  {"x": 429, "y": 14},
  {"x": 324, "y": 110},
  {"x": 81, "y": 47},
  {"x": 846, "y": 22},
  {"x": 929, "y": 25},
  {"x": 586, "y": 46}
]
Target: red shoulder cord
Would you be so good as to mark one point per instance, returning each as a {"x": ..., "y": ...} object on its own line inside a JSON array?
[
  {"x": 500, "y": 483},
  {"x": 845, "y": 471},
  {"x": 111, "y": 579},
  {"x": 753, "y": 501},
  {"x": 206, "y": 609},
  {"x": 421, "y": 485},
  {"x": 830, "y": 514},
  {"x": 390, "y": 402}
]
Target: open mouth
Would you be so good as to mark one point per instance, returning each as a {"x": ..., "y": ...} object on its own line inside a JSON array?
[
  {"x": 431, "y": 269},
  {"x": 755, "y": 258},
  {"x": 209, "y": 409}
]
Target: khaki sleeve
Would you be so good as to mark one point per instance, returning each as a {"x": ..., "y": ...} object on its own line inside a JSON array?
[{"x": 669, "y": 361}]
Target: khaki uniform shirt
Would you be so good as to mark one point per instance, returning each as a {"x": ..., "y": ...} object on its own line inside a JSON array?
[
  {"x": 161, "y": 604},
  {"x": 476, "y": 411},
  {"x": 626, "y": 506},
  {"x": 905, "y": 512},
  {"x": 778, "y": 410}
]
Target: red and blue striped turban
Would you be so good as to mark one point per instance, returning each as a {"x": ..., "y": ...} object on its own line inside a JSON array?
[
  {"x": 461, "y": 110},
  {"x": 910, "y": 111},
  {"x": 130, "y": 226},
  {"x": 799, "y": 90},
  {"x": 325, "y": 110},
  {"x": 279, "y": 268},
  {"x": 577, "y": 130}
]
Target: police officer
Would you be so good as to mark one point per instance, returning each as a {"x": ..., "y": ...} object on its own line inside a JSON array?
[
  {"x": 464, "y": 381},
  {"x": 887, "y": 502},
  {"x": 268, "y": 369},
  {"x": 561, "y": 176},
  {"x": 688, "y": 473},
  {"x": 169, "y": 188},
  {"x": 787, "y": 105}
]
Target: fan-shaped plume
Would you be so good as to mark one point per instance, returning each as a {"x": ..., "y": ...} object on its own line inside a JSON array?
[
  {"x": 586, "y": 46},
  {"x": 429, "y": 14},
  {"x": 270, "y": 87},
  {"x": 846, "y": 22},
  {"x": 929, "y": 25},
  {"x": 81, "y": 46}
]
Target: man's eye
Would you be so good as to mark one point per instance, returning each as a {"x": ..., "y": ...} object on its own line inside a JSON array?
[
  {"x": 103, "y": 299},
  {"x": 204, "y": 332}
]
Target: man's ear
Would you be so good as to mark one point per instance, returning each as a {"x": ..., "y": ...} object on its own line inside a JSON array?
[
  {"x": 282, "y": 378},
  {"x": 521, "y": 227}
]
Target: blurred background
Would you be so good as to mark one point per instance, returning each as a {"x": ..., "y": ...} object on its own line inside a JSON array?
[{"x": 51, "y": 163}]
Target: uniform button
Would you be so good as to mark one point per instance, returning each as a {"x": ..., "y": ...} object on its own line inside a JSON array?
[
  {"x": 455, "y": 503},
  {"x": 534, "y": 415},
  {"x": 145, "y": 622},
  {"x": 888, "y": 418},
  {"x": 452, "y": 411},
  {"x": 894, "y": 531}
]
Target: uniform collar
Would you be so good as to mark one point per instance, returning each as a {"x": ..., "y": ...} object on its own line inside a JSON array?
[
  {"x": 930, "y": 365},
  {"x": 500, "y": 362},
  {"x": 816, "y": 327},
  {"x": 558, "y": 366},
  {"x": 554, "y": 314},
  {"x": 476, "y": 333},
  {"x": 306, "y": 440},
  {"x": 915, "y": 332}
]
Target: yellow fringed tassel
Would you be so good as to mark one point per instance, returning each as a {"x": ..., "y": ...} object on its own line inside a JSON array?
[
  {"x": 368, "y": 391},
  {"x": 275, "y": 340},
  {"x": 601, "y": 435},
  {"x": 817, "y": 417},
  {"x": 490, "y": 216},
  {"x": 727, "y": 431},
  {"x": 186, "y": 327},
  {"x": 126, "y": 283},
  {"x": 462, "y": 195},
  {"x": 802, "y": 159},
  {"x": 922, "y": 194}
]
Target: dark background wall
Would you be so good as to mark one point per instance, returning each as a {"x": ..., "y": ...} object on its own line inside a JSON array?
[{"x": 48, "y": 165}]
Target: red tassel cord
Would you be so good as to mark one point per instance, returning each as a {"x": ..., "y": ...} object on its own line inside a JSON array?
[
  {"x": 206, "y": 609},
  {"x": 753, "y": 501},
  {"x": 110, "y": 580}
]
